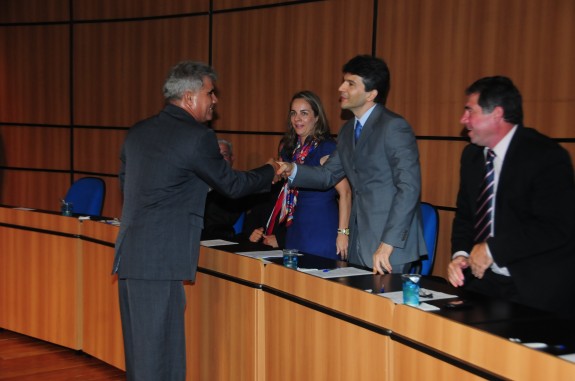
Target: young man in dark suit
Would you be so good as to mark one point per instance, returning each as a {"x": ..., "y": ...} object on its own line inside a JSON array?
[
  {"x": 168, "y": 163},
  {"x": 517, "y": 241}
]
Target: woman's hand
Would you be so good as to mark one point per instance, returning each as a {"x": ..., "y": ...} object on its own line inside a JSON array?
[{"x": 341, "y": 243}]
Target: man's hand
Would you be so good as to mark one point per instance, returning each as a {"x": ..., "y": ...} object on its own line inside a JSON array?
[
  {"x": 455, "y": 270},
  {"x": 270, "y": 240},
  {"x": 257, "y": 235},
  {"x": 276, "y": 168},
  {"x": 285, "y": 169},
  {"x": 381, "y": 258},
  {"x": 479, "y": 260}
]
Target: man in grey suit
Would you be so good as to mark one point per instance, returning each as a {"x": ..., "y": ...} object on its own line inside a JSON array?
[
  {"x": 382, "y": 166},
  {"x": 168, "y": 164}
]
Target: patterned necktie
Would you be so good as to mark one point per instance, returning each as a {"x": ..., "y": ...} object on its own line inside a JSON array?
[
  {"x": 357, "y": 131},
  {"x": 484, "y": 214}
]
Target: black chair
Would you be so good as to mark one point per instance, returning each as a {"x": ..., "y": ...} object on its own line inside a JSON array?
[{"x": 87, "y": 196}]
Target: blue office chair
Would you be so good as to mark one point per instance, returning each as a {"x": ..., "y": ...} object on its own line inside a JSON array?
[
  {"x": 87, "y": 196},
  {"x": 430, "y": 222},
  {"x": 239, "y": 224}
]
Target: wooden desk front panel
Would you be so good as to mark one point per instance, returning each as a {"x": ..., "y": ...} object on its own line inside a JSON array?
[
  {"x": 410, "y": 364},
  {"x": 483, "y": 350},
  {"x": 100, "y": 231},
  {"x": 223, "y": 330},
  {"x": 102, "y": 328},
  {"x": 361, "y": 305},
  {"x": 234, "y": 265},
  {"x": 39, "y": 285},
  {"x": 39, "y": 220},
  {"x": 306, "y": 344},
  {"x": 318, "y": 339}
]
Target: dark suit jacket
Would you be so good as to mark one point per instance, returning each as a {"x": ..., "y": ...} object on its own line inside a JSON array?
[
  {"x": 168, "y": 164},
  {"x": 534, "y": 217},
  {"x": 259, "y": 214},
  {"x": 221, "y": 214},
  {"x": 384, "y": 173}
]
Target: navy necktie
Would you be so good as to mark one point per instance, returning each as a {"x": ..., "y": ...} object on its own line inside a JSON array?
[
  {"x": 357, "y": 131},
  {"x": 484, "y": 213}
]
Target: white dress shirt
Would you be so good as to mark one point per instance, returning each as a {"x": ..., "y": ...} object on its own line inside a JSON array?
[{"x": 500, "y": 151}]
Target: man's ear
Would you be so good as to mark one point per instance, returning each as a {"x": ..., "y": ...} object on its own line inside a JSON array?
[
  {"x": 190, "y": 98},
  {"x": 371, "y": 95},
  {"x": 498, "y": 112}
]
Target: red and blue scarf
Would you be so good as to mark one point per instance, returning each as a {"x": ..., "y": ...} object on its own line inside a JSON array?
[{"x": 287, "y": 199}]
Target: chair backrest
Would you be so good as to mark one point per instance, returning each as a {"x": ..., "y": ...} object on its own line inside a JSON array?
[
  {"x": 87, "y": 196},
  {"x": 430, "y": 222},
  {"x": 239, "y": 224}
]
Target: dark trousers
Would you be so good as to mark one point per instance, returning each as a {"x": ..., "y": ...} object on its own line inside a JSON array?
[{"x": 153, "y": 326}]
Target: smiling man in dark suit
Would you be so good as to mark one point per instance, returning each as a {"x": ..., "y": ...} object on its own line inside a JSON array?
[
  {"x": 513, "y": 237},
  {"x": 168, "y": 164}
]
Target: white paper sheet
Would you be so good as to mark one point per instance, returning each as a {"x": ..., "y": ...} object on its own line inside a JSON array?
[
  {"x": 335, "y": 273},
  {"x": 262, "y": 254},
  {"x": 568, "y": 357},
  {"x": 216, "y": 242}
]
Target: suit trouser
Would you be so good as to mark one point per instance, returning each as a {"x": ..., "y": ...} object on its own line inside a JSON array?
[{"x": 153, "y": 327}]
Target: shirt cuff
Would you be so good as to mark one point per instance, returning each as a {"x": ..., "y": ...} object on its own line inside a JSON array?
[
  {"x": 460, "y": 253},
  {"x": 489, "y": 251},
  {"x": 293, "y": 173}
]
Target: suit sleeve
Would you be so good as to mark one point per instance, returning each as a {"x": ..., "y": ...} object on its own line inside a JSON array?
[
  {"x": 320, "y": 177},
  {"x": 403, "y": 156},
  {"x": 538, "y": 216},
  {"x": 211, "y": 167},
  {"x": 122, "y": 173}
]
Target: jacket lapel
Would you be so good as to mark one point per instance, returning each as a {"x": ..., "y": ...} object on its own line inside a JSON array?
[
  {"x": 368, "y": 129},
  {"x": 345, "y": 141}
]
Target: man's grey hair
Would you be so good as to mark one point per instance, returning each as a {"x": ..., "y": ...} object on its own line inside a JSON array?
[{"x": 186, "y": 75}]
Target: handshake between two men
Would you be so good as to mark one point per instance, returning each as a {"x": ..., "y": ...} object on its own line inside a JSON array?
[{"x": 282, "y": 169}]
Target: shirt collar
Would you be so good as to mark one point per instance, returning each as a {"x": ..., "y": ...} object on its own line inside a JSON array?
[
  {"x": 365, "y": 116},
  {"x": 501, "y": 148}
]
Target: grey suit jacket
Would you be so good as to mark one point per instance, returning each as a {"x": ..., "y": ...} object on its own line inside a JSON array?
[
  {"x": 384, "y": 173},
  {"x": 168, "y": 164}
]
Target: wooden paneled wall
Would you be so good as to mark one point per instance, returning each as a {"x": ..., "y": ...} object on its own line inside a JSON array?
[{"x": 76, "y": 74}]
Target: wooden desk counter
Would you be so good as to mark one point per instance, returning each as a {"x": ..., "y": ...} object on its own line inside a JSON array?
[
  {"x": 101, "y": 325},
  {"x": 250, "y": 321},
  {"x": 39, "y": 276},
  {"x": 224, "y": 318},
  {"x": 317, "y": 329},
  {"x": 483, "y": 354},
  {"x": 100, "y": 231},
  {"x": 32, "y": 219},
  {"x": 337, "y": 296}
]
